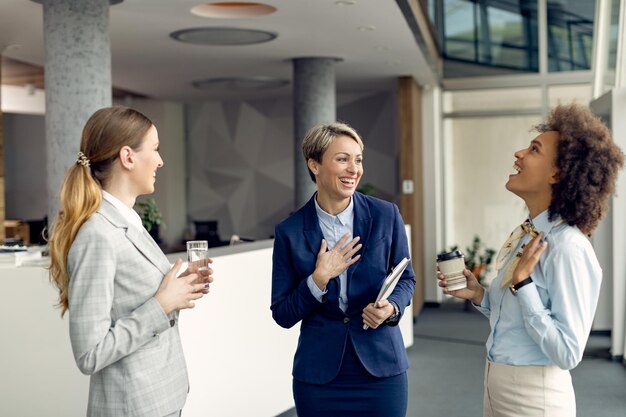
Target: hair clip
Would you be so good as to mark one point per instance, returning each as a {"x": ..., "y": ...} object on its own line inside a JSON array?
[{"x": 82, "y": 160}]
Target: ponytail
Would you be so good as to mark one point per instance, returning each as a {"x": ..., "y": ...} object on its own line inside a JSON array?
[{"x": 80, "y": 198}]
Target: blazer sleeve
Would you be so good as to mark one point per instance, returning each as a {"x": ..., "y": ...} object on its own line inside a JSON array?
[
  {"x": 292, "y": 299},
  {"x": 96, "y": 340},
  {"x": 403, "y": 293}
]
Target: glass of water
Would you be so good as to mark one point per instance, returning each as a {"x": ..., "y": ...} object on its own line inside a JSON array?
[{"x": 198, "y": 253}]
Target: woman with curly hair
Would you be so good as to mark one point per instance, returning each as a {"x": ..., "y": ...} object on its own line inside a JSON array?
[{"x": 542, "y": 302}]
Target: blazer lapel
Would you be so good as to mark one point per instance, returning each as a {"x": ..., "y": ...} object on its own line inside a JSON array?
[
  {"x": 139, "y": 238},
  {"x": 361, "y": 227},
  {"x": 312, "y": 231}
]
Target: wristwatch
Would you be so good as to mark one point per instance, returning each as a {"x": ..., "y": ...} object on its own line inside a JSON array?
[
  {"x": 515, "y": 288},
  {"x": 396, "y": 313}
]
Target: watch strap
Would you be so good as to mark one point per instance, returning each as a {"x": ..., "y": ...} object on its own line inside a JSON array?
[
  {"x": 515, "y": 288},
  {"x": 396, "y": 313}
]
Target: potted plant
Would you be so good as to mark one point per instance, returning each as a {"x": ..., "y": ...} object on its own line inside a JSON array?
[
  {"x": 151, "y": 216},
  {"x": 478, "y": 258}
]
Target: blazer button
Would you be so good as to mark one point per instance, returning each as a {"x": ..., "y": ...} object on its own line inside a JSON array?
[
  {"x": 346, "y": 320},
  {"x": 172, "y": 323}
]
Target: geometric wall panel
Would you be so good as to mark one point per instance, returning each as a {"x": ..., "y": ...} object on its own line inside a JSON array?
[{"x": 241, "y": 158}]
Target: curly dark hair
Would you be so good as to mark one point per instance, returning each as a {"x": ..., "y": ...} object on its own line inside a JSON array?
[{"x": 588, "y": 162}]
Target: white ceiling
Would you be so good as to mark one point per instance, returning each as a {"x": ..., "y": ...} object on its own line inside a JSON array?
[{"x": 147, "y": 61}]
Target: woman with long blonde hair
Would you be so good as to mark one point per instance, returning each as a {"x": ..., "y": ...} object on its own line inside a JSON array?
[{"x": 121, "y": 293}]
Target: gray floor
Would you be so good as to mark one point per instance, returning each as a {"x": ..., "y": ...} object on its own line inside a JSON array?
[{"x": 447, "y": 361}]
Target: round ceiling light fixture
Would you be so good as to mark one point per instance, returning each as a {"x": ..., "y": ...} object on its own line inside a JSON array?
[
  {"x": 232, "y": 10},
  {"x": 223, "y": 36},
  {"x": 241, "y": 83}
]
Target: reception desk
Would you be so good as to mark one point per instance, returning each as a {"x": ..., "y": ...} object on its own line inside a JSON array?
[{"x": 239, "y": 359}]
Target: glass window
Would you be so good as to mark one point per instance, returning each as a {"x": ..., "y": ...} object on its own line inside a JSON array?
[
  {"x": 497, "y": 36},
  {"x": 460, "y": 33},
  {"x": 490, "y": 37},
  {"x": 570, "y": 34},
  {"x": 613, "y": 33},
  {"x": 508, "y": 40}
]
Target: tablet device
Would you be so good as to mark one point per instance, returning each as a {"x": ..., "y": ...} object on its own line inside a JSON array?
[
  {"x": 390, "y": 282},
  {"x": 392, "y": 279}
]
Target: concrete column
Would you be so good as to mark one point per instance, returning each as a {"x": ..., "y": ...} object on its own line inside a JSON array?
[
  {"x": 77, "y": 80},
  {"x": 313, "y": 103}
]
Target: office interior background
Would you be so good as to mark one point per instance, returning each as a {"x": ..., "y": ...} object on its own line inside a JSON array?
[{"x": 443, "y": 93}]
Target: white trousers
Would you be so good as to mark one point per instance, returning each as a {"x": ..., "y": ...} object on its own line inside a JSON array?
[{"x": 528, "y": 391}]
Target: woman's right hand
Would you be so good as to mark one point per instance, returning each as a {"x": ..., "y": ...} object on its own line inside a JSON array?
[
  {"x": 474, "y": 291},
  {"x": 178, "y": 293},
  {"x": 331, "y": 263}
]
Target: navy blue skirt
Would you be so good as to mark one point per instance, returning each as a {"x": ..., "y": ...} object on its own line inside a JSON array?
[{"x": 354, "y": 392}]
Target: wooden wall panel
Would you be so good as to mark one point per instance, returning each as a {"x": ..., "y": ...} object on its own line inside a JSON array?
[{"x": 411, "y": 203}]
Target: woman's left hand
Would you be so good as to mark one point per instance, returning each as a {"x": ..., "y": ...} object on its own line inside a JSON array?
[
  {"x": 375, "y": 314},
  {"x": 530, "y": 257}
]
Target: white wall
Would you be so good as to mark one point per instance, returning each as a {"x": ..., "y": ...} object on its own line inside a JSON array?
[
  {"x": 39, "y": 375},
  {"x": 23, "y": 99}
]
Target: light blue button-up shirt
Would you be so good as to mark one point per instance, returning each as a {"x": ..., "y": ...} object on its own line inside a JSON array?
[
  {"x": 549, "y": 321},
  {"x": 333, "y": 228}
]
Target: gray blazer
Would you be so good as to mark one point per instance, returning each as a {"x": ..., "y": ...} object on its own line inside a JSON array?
[{"x": 119, "y": 333}]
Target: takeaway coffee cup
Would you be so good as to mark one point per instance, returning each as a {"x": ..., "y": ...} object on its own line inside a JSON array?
[{"x": 451, "y": 265}]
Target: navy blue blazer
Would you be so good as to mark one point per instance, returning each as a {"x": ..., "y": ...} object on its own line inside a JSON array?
[{"x": 325, "y": 327}]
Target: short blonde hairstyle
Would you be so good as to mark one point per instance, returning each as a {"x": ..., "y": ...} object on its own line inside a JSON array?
[{"x": 318, "y": 139}]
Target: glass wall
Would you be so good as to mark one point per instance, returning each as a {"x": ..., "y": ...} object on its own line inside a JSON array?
[
  {"x": 613, "y": 34},
  {"x": 570, "y": 34},
  {"x": 502, "y": 36}
]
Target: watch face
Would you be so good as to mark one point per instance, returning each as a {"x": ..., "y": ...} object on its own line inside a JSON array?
[{"x": 513, "y": 290}]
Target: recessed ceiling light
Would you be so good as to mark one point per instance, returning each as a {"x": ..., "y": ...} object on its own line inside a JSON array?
[
  {"x": 241, "y": 83},
  {"x": 366, "y": 28},
  {"x": 345, "y": 2},
  {"x": 232, "y": 10},
  {"x": 223, "y": 36}
]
